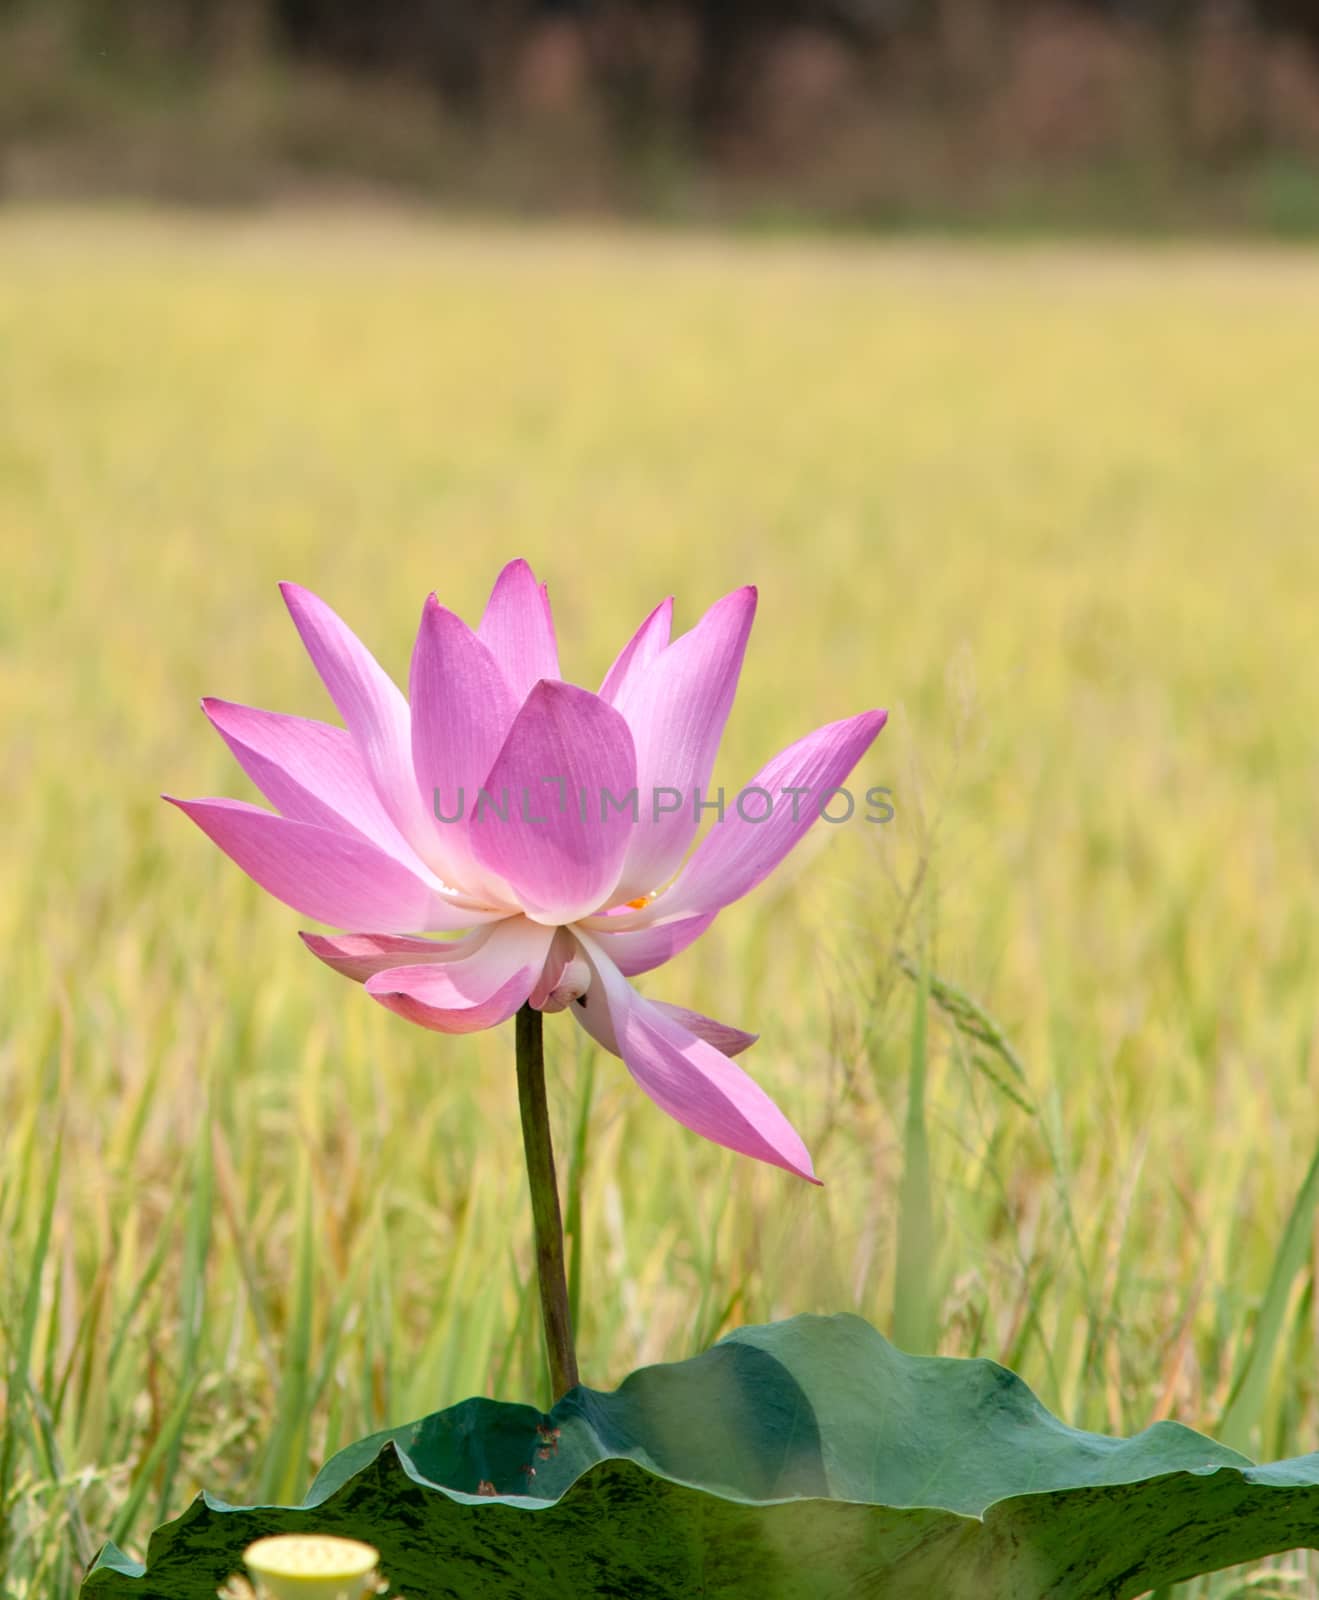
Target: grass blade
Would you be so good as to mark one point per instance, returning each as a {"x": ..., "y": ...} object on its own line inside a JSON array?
[{"x": 913, "y": 1290}]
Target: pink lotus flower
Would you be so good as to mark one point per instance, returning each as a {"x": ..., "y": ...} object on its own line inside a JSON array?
[{"x": 562, "y": 894}]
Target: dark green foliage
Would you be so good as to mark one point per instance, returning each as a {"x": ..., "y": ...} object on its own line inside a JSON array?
[{"x": 803, "y": 1459}]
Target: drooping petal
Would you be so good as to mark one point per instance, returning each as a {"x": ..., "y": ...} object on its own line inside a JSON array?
[
  {"x": 373, "y": 709},
  {"x": 462, "y": 710},
  {"x": 360, "y": 956},
  {"x": 309, "y": 771},
  {"x": 684, "y": 1074},
  {"x": 637, "y": 950},
  {"x": 554, "y": 830},
  {"x": 595, "y": 1019},
  {"x": 677, "y": 707},
  {"x": 478, "y": 989},
  {"x": 332, "y": 876},
  {"x": 640, "y": 650},
  {"x": 737, "y": 854},
  {"x": 518, "y": 627},
  {"x": 727, "y": 1040}
]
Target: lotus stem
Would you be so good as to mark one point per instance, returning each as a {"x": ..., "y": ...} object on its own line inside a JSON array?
[{"x": 546, "y": 1217}]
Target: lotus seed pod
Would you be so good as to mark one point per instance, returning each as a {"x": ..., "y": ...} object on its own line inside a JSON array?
[{"x": 302, "y": 1566}]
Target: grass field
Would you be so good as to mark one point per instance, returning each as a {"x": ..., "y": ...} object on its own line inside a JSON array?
[{"x": 1058, "y": 510}]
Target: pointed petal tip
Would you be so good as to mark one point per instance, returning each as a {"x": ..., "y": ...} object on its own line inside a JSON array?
[
  {"x": 323, "y": 948},
  {"x": 559, "y": 689},
  {"x": 214, "y": 708},
  {"x": 434, "y": 610},
  {"x": 191, "y": 808},
  {"x": 872, "y": 722},
  {"x": 300, "y": 600},
  {"x": 748, "y": 597},
  {"x": 799, "y": 1165},
  {"x": 803, "y": 1168},
  {"x": 297, "y": 599},
  {"x": 518, "y": 564}
]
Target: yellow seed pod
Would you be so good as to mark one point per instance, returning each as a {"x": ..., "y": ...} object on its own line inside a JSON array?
[{"x": 313, "y": 1566}]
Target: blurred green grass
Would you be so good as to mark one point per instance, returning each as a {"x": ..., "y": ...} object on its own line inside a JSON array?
[{"x": 1058, "y": 509}]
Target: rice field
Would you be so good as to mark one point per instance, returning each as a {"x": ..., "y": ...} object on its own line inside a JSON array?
[{"x": 1056, "y": 508}]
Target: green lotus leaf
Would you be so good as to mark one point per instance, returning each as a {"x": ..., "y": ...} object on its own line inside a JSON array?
[{"x": 804, "y": 1460}]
